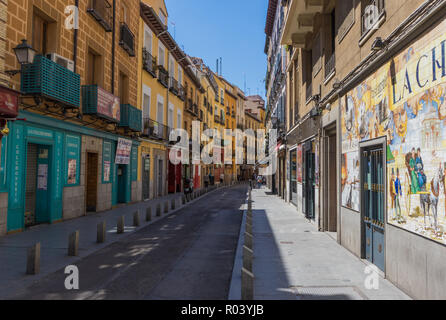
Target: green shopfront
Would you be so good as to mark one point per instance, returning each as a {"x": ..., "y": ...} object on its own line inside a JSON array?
[{"x": 50, "y": 168}]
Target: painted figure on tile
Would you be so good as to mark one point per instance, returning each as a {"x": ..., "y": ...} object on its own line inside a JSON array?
[
  {"x": 392, "y": 193},
  {"x": 411, "y": 164},
  {"x": 398, "y": 194}
]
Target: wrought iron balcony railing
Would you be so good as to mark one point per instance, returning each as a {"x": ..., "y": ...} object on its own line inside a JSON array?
[
  {"x": 163, "y": 76},
  {"x": 371, "y": 17},
  {"x": 148, "y": 62},
  {"x": 101, "y": 10},
  {"x": 127, "y": 39},
  {"x": 155, "y": 130},
  {"x": 181, "y": 92},
  {"x": 173, "y": 85},
  {"x": 330, "y": 65}
]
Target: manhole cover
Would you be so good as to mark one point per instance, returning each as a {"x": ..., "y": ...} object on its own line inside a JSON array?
[{"x": 329, "y": 293}]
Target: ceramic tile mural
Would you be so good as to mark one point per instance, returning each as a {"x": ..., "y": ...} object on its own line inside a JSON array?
[{"x": 405, "y": 102}]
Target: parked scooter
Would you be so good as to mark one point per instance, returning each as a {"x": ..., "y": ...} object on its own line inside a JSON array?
[{"x": 188, "y": 186}]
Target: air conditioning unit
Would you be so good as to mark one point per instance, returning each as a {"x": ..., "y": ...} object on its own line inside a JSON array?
[{"x": 62, "y": 61}]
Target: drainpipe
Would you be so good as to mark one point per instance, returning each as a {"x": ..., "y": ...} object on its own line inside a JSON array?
[
  {"x": 113, "y": 49},
  {"x": 76, "y": 3}
]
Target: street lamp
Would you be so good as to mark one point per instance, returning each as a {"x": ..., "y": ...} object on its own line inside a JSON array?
[{"x": 25, "y": 55}]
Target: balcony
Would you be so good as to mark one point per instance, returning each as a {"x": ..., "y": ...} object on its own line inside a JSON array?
[
  {"x": 148, "y": 62},
  {"x": 101, "y": 10},
  {"x": 330, "y": 66},
  {"x": 299, "y": 21},
  {"x": 173, "y": 85},
  {"x": 100, "y": 103},
  {"x": 155, "y": 130},
  {"x": 131, "y": 117},
  {"x": 222, "y": 101},
  {"x": 371, "y": 17},
  {"x": 47, "y": 79},
  {"x": 195, "y": 108},
  {"x": 127, "y": 39},
  {"x": 163, "y": 76},
  {"x": 181, "y": 92}
]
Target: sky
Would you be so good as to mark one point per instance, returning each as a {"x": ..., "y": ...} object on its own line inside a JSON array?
[{"x": 230, "y": 29}]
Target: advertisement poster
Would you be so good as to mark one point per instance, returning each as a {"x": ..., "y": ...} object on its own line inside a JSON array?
[
  {"x": 107, "y": 171},
  {"x": 123, "y": 151},
  {"x": 350, "y": 181},
  {"x": 299, "y": 164},
  {"x": 108, "y": 105},
  {"x": 72, "y": 171},
  {"x": 405, "y": 101},
  {"x": 42, "y": 177}
]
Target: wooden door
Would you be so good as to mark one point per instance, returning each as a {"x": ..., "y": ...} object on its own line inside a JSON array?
[{"x": 92, "y": 181}]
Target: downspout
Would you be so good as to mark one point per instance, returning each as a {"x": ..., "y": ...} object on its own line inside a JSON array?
[
  {"x": 76, "y": 4},
  {"x": 113, "y": 49}
]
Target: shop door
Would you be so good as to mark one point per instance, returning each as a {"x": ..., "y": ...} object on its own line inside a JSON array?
[
  {"x": 146, "y": 178},
  {"x": 122, "y": 183},
  {"x": 171, "y": 178},
  {"x": 160, "y": 177},
  {"x": 293, "y": 177},
  {"x": 31, "y": 185},
  {"x": 92, "y": 181},
  {"x": 373, "y": 206},
  {"x": 309, "y": 185},
  {"x": 178, "y": 169}
]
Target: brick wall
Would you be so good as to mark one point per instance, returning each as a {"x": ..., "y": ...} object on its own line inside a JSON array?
[{"x": 90, "y": 35}]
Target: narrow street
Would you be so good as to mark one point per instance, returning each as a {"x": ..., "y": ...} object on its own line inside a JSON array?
[{"x": 187, "y": 255}]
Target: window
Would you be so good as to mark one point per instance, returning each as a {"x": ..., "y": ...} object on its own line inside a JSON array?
[
  {"x": 146, "y": 102},
  {"x": 171, "y": 66},
  {"x": 179, "y": 119},
  {"x": 123, "y": 88},
  {"x": 162, "y": 17},
  {"x": 180, "y": 75},
  {"x": 160, "y": 110},
  {"x": 94, "y": 68},
  {"x": 124, "y": 13},
  {"x": 44, "y": 33},
  {"x": 345, "y": 15},
  {"x": 170, "y": 116},
  {"x": 371, "y": 12},
  {"x": 147, "y": 39},
  {"x": 161, "y": 54}
]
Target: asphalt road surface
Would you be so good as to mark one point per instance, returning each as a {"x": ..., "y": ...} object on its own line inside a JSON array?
[{"x": 186, "y": 256}]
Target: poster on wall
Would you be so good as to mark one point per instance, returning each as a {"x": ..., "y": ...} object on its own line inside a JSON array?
[
  {"x": 350, "y": 181},
  {"x": 106, "y": 172},
  {"x": 405, "y": 101},
  {"x": 108, "y": 105},
  {"x": 299, "y": 164},
  {"x": 42, "y": 177},
  {"x": 123, "y": 151},
  {"x": 72, "y": 171}
]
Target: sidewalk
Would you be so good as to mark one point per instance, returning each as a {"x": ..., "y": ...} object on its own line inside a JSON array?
[
  {"x": 54, "y": 242},
  {"x": 292, "y": 260}
]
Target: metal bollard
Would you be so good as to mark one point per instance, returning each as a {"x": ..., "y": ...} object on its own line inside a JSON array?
[
  {"x": 248, "y": 240},
  {"x": 101, "y": 232},
  {"x": 73, "y": 244},
  {"x": 149, "y": 214},
  {"x": 173, "y": 204},
  {"x": 136, "y": 222},
  {"x": 120, "y": 226},
  {"x": 183, "y": 200},
  {"x": 33, "y": 259},
  {"x": 247, "y": 285},
  {"x": 158, "y": 210},
  {"x": 248, "y": 255},
  {"x": 166, "y": 207}
]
